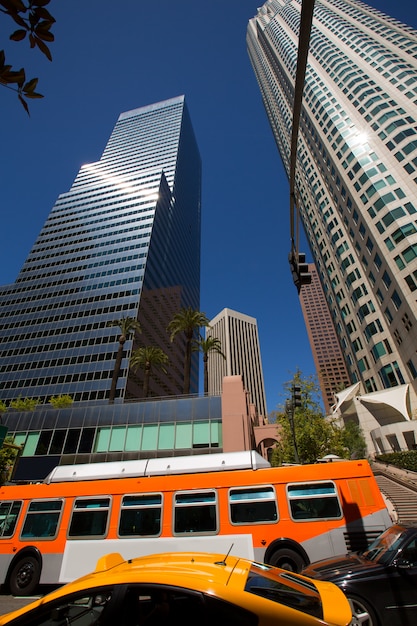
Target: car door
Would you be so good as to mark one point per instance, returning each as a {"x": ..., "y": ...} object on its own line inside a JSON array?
[
  {"x": 83, "y": 608},
  {"x": 403, "y": 584},
  {"x": 162, "y": 605}
]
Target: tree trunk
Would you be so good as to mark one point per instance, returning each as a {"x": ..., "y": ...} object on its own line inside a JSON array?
[
  {"x": 187, "y": 363},
  {"x": 146, "y": 380},
  {"x": 116, "y": 371},
  {"x": 205, "y": 361}
]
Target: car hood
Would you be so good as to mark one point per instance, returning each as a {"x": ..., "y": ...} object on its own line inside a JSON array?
[{"x": 350, "y": 566}]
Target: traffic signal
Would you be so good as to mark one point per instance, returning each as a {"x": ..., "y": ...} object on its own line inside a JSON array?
[
  {"x": 302, "y": 269},
  {"x": 299, "y": 269},
  {"x": 296, "y": 395}
]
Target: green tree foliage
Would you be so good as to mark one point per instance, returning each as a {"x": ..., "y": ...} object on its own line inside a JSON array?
[
  {"x": 315, "y": 436},
  {"x": 148, "y": 357},
  {"x": 34, "y": 22},
  {"x": 8, "y": 454},
  {"x": 128, "y": 326},
  {"x": 61, "y": 401},
  {"x": 3, "y": 407},
  {"x": 205, "y": 346},
  {"x": 24, "y": 404},
  {"x": 186, "y": 322}
]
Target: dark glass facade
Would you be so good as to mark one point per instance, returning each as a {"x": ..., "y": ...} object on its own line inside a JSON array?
[{"x": 124, "y": 241}]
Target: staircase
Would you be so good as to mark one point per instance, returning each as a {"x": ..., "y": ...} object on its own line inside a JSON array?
[{"x": 403, "y": 498}]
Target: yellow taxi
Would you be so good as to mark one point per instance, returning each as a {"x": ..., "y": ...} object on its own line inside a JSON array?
[{"x": 187, "y": 589}]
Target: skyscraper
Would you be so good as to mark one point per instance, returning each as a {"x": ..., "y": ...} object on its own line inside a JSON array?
[
  {"x": 124, "y": 241},
  {"x": 238, "y": 335},
  {"x": 324, "y": 342},
  {"x": 356, "y": 170}
]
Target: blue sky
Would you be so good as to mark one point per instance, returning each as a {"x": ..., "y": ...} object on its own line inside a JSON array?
[{"x": 111, "y": 57}]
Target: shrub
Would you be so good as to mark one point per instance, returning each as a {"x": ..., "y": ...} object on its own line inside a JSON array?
[
  {"x": 404, "y": 460},
  {"x": 60, "y": 402},
  {"x": 24, "y": 404}
]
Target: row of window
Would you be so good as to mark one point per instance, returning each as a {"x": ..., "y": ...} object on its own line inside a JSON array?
[
  {"x": 60, "y": 259},
  {"x": 194, "y": 512},
  {"x": 132, "y": 438}
]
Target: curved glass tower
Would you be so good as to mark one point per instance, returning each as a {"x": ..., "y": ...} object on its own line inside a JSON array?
[
  {"x": 356, "y": 171},
  {"x": 124, "y": 241}
]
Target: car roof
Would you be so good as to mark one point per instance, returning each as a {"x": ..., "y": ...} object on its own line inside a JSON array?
[{"x": 211, "y": 568}]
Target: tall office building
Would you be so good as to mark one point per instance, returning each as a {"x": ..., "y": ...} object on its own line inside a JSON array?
[
  {"x": 356, "y": 171},
  {"x": 124, "y": 241},
  {"x": 238, "y": 335},
  {"x": 328, "y": 357}
]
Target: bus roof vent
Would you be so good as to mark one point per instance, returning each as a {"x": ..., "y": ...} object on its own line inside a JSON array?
[{"x": 158, "y": 467}]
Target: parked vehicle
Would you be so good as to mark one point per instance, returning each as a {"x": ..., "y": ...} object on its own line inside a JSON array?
[
  {"x": 184, "y": 589},
  {"x": 381, "y": 583},
  {"x": 285, "y": 516}
]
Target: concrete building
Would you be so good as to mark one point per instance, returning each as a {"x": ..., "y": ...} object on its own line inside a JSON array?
[
  {"x": 238, "y": 335},
  {"x": 356, "y": 172},
  {"x": 124, "y": 241},
  {"x": 328, "y": 357},
  {"x": 385, "y": 417}
]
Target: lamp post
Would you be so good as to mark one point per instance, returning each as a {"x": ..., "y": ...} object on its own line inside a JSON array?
[{"x": 289, "y": 410}]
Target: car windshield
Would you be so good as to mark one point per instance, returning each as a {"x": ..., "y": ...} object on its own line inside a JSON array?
[
  {"x": 384, "y": 548},
  {"x": 284, "y": 588}
]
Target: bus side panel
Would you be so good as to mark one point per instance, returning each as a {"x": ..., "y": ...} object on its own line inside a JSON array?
[
  {"x": 51, "y": 567},
  {"x": 80, "y": 557},
  {"x": 339, "y": 541},
  {"x": 5, "y": 560}
]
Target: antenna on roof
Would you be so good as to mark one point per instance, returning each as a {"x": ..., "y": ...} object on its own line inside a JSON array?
[{"x": 224, "y": 560}]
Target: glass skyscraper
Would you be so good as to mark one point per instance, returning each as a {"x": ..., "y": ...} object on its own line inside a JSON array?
[
  {"x": 356, "y": 172},
  {"x": 124, "y": 241}
]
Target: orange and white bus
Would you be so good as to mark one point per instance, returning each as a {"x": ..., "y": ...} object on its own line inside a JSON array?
[{"x": 55, "y": 531}]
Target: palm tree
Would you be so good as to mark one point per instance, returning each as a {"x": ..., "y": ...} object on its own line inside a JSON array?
[
  {"x": 128, "y": 326},
  {"x": 209, "y": 344},
  {"x": 186, "y": 321},
  {"x": 148, "y": 357}
]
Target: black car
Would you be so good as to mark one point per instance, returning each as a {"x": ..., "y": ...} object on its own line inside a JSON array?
[{"x": 380, "y": 583}]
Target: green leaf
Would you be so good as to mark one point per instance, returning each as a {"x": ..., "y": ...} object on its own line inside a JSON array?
[
  {"x": 33, "y": 95},
  {"x": 43, "y": 48},
  {"x": 13, "y": 77},
  {"x": 43, "y": 33},
  {"x": 18, "y": 35},
  {"x": 24, "y": 104},
  {"x": 44, "y": 14},
  {"x": 14, "y": 5},
  {"x": 30, "y": 85}
]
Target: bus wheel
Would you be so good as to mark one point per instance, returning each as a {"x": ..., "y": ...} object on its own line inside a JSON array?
[
  {"x": 24, "y": 577},
  {"x": 287, "y": 559}
]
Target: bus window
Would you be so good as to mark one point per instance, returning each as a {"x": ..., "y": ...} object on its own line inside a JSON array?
[
  {"x": 253, "y": 505},
  {"x": 140, "y": 515},
  {"x": 314, "y": 501},
  {"x": 195, "y": 512},
  {"x": 9, "y": 512},
  {"x": 42, "y": 519},
  {"x": 89, "y": 517}
]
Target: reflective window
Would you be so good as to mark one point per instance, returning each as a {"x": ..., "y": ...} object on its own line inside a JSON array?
[
  {"x": 195, "y": 512},
  {"x": 251, "y": 505},
  {"x": 89, "y": 517},
  {"x": 9, "y": 512},
  {"x": 313, "y": 501},
  {"x": 140, "y": 515},
  {"x": 42, "y": 519}
]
